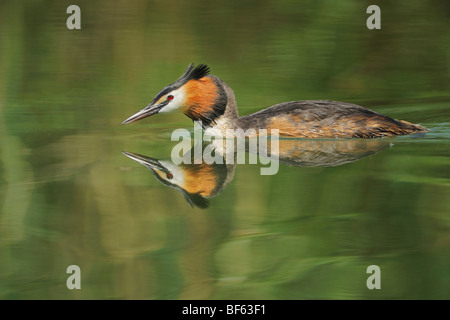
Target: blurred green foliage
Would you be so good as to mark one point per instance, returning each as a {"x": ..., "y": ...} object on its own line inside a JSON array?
[{"x": 68, "y": 196}]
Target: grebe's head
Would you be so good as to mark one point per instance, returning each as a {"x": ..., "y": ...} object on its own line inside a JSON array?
[{"x": 197, "y": 94}]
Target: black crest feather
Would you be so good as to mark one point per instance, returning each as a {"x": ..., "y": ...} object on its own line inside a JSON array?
[
  {"x": 194, "y": 73},
  {"x": 191, "y": 73},
  {"x": 195, "y": 199}
]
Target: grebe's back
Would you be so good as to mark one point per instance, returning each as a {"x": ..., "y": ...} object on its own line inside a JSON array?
[{"x": 318, "y": 119}]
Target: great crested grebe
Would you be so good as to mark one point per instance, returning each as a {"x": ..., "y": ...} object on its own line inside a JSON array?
[{"x": 205, "y": 97}]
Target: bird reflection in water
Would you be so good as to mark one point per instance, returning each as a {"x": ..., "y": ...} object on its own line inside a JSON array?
[{"x": 198, "y": 182}]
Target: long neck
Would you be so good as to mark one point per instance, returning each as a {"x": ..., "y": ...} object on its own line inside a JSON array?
[
  {"x": 211, "y": 101},
  {"x": 230, "y": 116},
  {"x": 229, "y": 119}
]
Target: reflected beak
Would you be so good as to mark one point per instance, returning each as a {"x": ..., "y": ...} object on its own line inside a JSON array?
[
  {"x": 144, "y": 113},
  {"x": 150, "y": 163}
]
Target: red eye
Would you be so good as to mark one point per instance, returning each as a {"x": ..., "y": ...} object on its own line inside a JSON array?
[{"x": 170, "y": 97}]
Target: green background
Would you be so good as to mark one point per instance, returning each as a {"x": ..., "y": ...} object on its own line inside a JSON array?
[{"x": 68, "y": 195}]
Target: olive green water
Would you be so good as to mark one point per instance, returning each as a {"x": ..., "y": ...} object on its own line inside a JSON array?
[{"x": 68, "y": 196}]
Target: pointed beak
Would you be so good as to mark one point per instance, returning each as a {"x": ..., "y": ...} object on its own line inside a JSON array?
[
  {"x": 150, "y": 163},
  {"x": 144, "y": 113}
]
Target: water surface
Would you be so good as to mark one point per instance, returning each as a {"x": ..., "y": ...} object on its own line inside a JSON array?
[{"x": 69, "y": 196}]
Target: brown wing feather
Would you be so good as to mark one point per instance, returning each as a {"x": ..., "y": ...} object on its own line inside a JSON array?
[{"x": 315, "y": 119}]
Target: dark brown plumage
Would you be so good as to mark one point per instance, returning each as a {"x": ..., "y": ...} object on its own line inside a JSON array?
[{"x": 327, "y": 119}]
